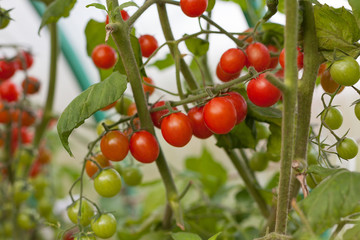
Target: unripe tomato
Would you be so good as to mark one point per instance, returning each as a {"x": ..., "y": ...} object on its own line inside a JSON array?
[
  {"x": 258, "y": 162},
  {"x": 357, "y": 110},
  {"x": 100, "y": 128},
  {"x": 258, "y": 56},
  {"x": 176, "y": 129},
  {"x": 132, "y": 176},
  {"x": 7, "y": 70},
  {"x": 232, "y": 61},
  {"x": 300, "y": 59},
  {"x": 104, "y": 226},
  {"x": 224, "y": 76},
  {"x": 108, "y": 183},
  {"x": 9, "y": 91},
  {"x": 347, "y": 148},
  {"x": 200, "y": 130},
  {"x": 262, "y": 93},
  {"x": 345, "y": 71},
  {"x": 26, "y": 220},
  {"x": 104, "y": 56},
  {"x": 122, "y": 105},
  {"x": 148, "y": 45},
  {"x": 30, "y": 85},
  {"x": 332, "y": 117},
  {"x": 4, "y": 18},
  {"x": 91, "y": 167},
  {"x": 87, "y": 212},
  {"x": 148, "y": 89},
  {"x": 193, "y": 8},
  {"x": 240, "y": 105},
  {"x": 220, "y": 115},
  {"x": 114, "y": 145},
  {"x": 156, "y": 117},
  {"x": 144, "y": 147},
  {"x": 21, "y": 192},
  {"x": 328, "y": 84}
]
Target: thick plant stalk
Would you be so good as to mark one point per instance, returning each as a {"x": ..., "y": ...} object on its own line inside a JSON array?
[
  {"x": 120, "y": 33},
  {"x": 288, "y": 121}
]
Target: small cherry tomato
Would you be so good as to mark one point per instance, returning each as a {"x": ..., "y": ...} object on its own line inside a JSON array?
[
  {"x": 193, "y": 8},
  {"x": 132, "y": 176},
  {"x": 148, "y": 45},
  {"x": 273, "y": 60},
  {"x": 148, "y": 89},
  {"x": 131, "y": 109},
  {"x": 125, "y": 16},
  {"x": 44, "y": 156},
  {"x": 24, "y": 59},
  {"x": 328, "y": 84},
  {"x": 232, "y": 61},
  {"x": 104, "y": 226},
  {"x": 144, "y": 147},
  {"x": 28, "y": 118},
  {"x": 108, "y": 183},
  {"x": 332, "y": 118},
  {"x": 357, "y": 111},
  {"x": 114, "y": 145},
  {"x": 30, "y": 85},
  {"x": 87, "y": 212},
  {"x": 259, "y": 161},
  {"x": 176, "y": 129},
  {"x": 200, "y": 130},
  {"x": 100, "y": 128},
  {"x": 224, "y": 76},
  {"x": 9, "y": 91},
  {"x": 249, "y": 39},
  {"x": 300, "y": 58},
  {"x": 91, "y": 168},
  {"x": 122, "y": 105},
  {"x": 104, "y": 56},
  {"x": 156, "y": 117},
  {"x": 7, "y": 70},
  {"x": 345, "y": 71},
  {"x": 258, "y": 56},
  {"x": 347, "y": 148},
  {"x": 261, "y": 92},
  {"x": 240, "y": 105},
  {"x": 5, "y": 115}
]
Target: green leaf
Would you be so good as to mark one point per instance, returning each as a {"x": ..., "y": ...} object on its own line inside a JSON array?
[
  {"x": 241, "y": 136},
  {"x": 56, "y": 10},
  {"x": 352, "y": 233},
  {"x": 127, "y": 4},
  {"x": 211, "y": 4},
  {"x": 197, "y": 46},
  {"x": 164, "y": 63},
  {"x": 156, "y": 236},
  {"x": 215, "y": 236},
  {"x": 185, "y": 236},
  {"x": 269, "y": 115},
  {"x": 97, "y": 5},
  {"x": 336, "y": 28},
  {"x": 87, "y": 103},
  {"x": 323, "y": 172},
  {"x": 334, "y": 198},
  {"x": 355, "y": 5},
  {"x": 273, "y": 33},
  {"x": 212, "y": 174}
]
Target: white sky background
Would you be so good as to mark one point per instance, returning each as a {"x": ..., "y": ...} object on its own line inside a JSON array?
[{"x": 24, "y": 31}]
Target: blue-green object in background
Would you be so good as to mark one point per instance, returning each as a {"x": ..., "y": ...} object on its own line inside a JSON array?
[{"x": 71, "y": 57}]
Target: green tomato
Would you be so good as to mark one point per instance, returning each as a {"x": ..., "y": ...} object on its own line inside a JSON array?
[
  {"x": 262, "y": 131},
  {"x": 332, "y": 117},
  {"x": 45, "y": 207},
  {"x": 310, "y": 181},
  {"x": 122, "y": 105},
  {"x": 347, "y": 148},
  {"x": 25, "y": 156},
  {"x": 4, "y": 18},
  {"x": 21, "y": 192},
  {"x": 26, "y": 220},
  {"x": 345, "y": 71},
  {"x": 108, "y": 183},
  {"x": 357, "y": 110},
  {"x": 8, "y": 229},
  {"x": 40, "y": 183},
  {"x": 259, "y": 161},
  {"x": 312, "y": 156},
  {"x": 132, "y": 176},
  {"x": 104, "y": 226},
  {"x": 87, "y": 212},
  {"x": 100, "y": 129}
]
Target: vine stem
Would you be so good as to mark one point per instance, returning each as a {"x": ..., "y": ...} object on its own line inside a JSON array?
[{"x": 288, "y": 121}]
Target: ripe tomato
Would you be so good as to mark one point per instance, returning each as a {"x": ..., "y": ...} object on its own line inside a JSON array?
[
  {"x": 131, "y": 109},
  {"x": 258, "y": 56},
  {"x": 193, "y": 8},
  {"x": 273, "y": 60},
  {"x": 332, "y": 117},
  {"x": 240, "y": 105},
  {"x": 104, "y": 56},
  {"x": 148, "y": 45},
  {"x": 249, "y": 39},
  {"x": 200, "y": 130},
  {"x": 259, "y": 161},
  {"x": 176, "y": 129},
  {"x": 144, "y": 147},
  {"x": 328, "y": 84},
  {"x": 148, "y": 89},
  {"x": 104, "y": 226},
  {"x": 322, "y": 68},
  {"x": 232, "y": 61},
  {"x": 91, "y": 167},
  {"x": 347, "y": 148},
  {"x": 357, "y": 111},
  {"x": 7, "y": 69},
  {"x": 220, "y": 115},
  {"x": 87, "y": 212},
  {"x": 26, "y": 136},
  {"x": 9, "y": 91},
  {"x": 30, "y": 85},
  {"x": 300, "y": 58},
  {"x": 262, "y": 93},
  {"x": 27, "y": 117},
  {"x": 125, "y": 16},
  {"x": 24, "y": 59},
  {"x": 345, "y": 71},
  {"x": 108, "y": 183},
  {"x": 114, "y": 145},
  {"x": 35, "y": 169},
  {"x": 44, "y": 156},
  {"x": 5, "y": 115},
  {"x": 224, "y": 76},
  {"x": 156, "y": 117},
  {"x": 132, "y": 176}
]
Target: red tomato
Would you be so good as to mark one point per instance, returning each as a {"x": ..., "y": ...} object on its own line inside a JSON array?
[
  {"x": 322, "y": 68},
  {"x": 273, "y": 60},
  {"x": 44, "y": 156},
  {"x": 248, "y": 40},
  {"x": 125, "y": 16},
  {"x": 200, "y": 130},
  {"x": 300, "y": 59},
  {"x": 7, "y": 69},
  {"x": 193, "y": 8},
  {"x": 144, "y": 147},
  {"x": 131, "y": 109},
  {"x": 26, "y": 136},
  {"x": 24, "y": 57},
  {"x": 91, "y": 167},
  {"x": 114, "y": 145},
  {"x": 104, "y": 56},
  {"x": 35, "y": 169},
  {"x": 232, "y": 61},
  {"x": 27, "y": 117},
  {"x": 262, "y": 93},
  {"x": 224, "y": 76},
  {"x": 176, "y": 129},
  {"x": 156, "y": 116},
  {"x": 258, "y": 56},
  {"x": 33, "y": 85},
  {"x": 9, "y": 91},
  {"x": 148, "y": 89},
  {"x": 220, "y": 115},
  {"x": 5, "y": 115},
  {"x": 148, "y": 45},
  {"x": 240, "y": 105}
]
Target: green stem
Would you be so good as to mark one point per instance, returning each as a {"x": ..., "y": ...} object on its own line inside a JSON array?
[
  {"x": 288, "y": 121},
  {"x": 40, "y": 129}
]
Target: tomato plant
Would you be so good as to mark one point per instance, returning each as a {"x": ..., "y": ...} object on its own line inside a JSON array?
[
  {"x": 176, "y": 129},
  {"x": 345, "y": 71},
  {"x": 262, "y": 93},
  {"x": 104, "y": 56},
  {"x": 114, "y": 145},
  {"x": 148, "y": 45},
  {"x": 108, "y": 183},
  {"x": 193, "y": 8}
]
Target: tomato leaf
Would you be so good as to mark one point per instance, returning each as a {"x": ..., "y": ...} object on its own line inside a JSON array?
[
  {"x": 126, "y": 4},
  {"x": 355, "y": 5},
  {"x": 352, "y": 233},
  {"x": 156, "y": 236},
  {"x": 212, "y": 174},
  {"x": 211, "y": 4},
  {"x": 97, "y": 5},
  {"x": 334, "y": 198},
  {"x": 273, "y": 34},
  {"x": 87, "y": 103},
  {"x": 336, "y": 28},
  {"x": 215, "y": 236},
  {"x": 269, "y": 115},
  {"x": 323, "y": 172},
  {"x": 241, "y": 136},
  {"x": 56, "y": 10},
  {"x": 164, "y": 63},
  {"x": 197, "y": 46},
  {"x": 185, "y": 236}
]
